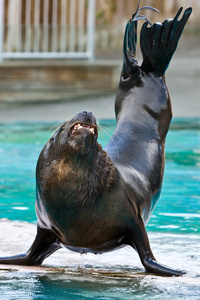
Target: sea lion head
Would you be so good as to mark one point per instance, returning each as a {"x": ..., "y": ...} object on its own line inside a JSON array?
[
  {"x": 82, "y": 132},
  {"x": 73, "y": 160},
  {"x": 77, "y": 138}
]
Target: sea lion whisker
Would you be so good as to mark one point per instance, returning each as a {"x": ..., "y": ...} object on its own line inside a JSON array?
[
  {"x": 106, "y": 131},
  {"x": 52, "y": 127},
  {"x": 56, "y": 130},
  {"x": 101, "y": 133},
  {"x": 58, "y": 124},
  {"x": 112, "y": 140},
  {"x": 102, "y": 129},
  {"x": 106, "y": 128}
]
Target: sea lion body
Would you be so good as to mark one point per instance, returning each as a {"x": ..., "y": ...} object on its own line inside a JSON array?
[
  {"x": 137, "y": 148},
  {"x": 95, "y": 200}
]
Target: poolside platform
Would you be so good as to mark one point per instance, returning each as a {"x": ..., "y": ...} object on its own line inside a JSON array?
[
  {"x": 54, "y": 90},
  {"x": 56, "y": 80}
]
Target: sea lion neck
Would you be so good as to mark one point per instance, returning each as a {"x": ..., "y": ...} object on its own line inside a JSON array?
[
  {"x": 81, "y": 161},
  {"x": 96, "y": 178}
]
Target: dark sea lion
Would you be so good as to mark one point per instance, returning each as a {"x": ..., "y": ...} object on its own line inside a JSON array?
[{"x": 95, "y": 200}]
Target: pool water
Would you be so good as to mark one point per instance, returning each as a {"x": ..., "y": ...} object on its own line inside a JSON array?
[
  {"x": 174, "y": 227},
  {"x": 178, "y": 210}
]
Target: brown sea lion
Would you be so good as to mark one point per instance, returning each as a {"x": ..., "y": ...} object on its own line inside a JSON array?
[{"x": 95, "y": 200}]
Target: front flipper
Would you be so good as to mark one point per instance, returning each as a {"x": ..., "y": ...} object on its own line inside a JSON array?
[
  {"x": 140, "y": 242},
  {"x": 44, "y": 245}
]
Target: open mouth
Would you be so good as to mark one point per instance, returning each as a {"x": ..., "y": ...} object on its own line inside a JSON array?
[{"x": 79, "y": 126}]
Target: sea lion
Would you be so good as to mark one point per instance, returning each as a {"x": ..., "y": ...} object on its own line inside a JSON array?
[{"x": 95, "y": 200}]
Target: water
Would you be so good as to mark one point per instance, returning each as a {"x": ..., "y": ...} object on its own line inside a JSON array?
[{"x": 174, "y": 228}]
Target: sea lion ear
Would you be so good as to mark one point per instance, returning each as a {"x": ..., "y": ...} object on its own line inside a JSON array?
[{"x": 159, "y": 42}]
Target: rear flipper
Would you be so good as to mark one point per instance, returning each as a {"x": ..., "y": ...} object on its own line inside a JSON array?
[
  {"x": 44, "y": 245},
  {"x": 129, "y": 49},
  {"x": 159, "y": 41},
  {"x": 130, "y": 64}
]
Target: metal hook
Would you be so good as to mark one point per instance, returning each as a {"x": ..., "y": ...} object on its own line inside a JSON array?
[
  {"x": 148, "y": 7},
  {"x": 136, "y": 16},
  {"x": 141, "y": 17}
]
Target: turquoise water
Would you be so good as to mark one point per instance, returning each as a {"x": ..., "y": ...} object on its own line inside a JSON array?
[
  {"x": 178, "y": 210},
  {"x": 174, "y": 228}
]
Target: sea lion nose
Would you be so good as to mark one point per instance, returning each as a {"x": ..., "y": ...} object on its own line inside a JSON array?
[{"x": 88, "y": 113}]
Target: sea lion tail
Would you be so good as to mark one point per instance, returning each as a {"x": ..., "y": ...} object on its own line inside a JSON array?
[{"x": 159, "y": 42}]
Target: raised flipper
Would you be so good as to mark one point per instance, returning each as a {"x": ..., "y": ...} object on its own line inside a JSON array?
[
  {"x": 129, "y": 49},
  {"x": 159, "y": 41},
  {"x": 130, "y": 63},
  {"x": 44, "y": 245},
  {"x": 139, "y": 241}
]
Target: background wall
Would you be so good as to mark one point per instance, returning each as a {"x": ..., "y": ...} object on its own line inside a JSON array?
[{"x": 115, "y": 11}]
